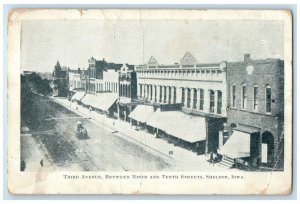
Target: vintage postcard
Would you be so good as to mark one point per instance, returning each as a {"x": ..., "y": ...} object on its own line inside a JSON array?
[{"x": 149, "y": 101}]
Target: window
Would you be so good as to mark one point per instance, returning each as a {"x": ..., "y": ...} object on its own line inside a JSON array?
[
  {"x": 195, "y": 99},
  {"x": 155, "y": 98},
  {"x": 233, "y": 95},
  {"x": 150, "y": 92},
  {"x": 201, "y": 99},
  {"x": 244, "y": 97},
  {"x": 212, "y": 102},
  {"x": 182, "y": 96},
  {"x": 188, "y": 103},
  {"x": 125, "y": 90},
  {"x": 140, "y": 90},
  {"x": 165, "y": 94},
  {"x": 144, "y": 90},
  {"x": 219, "y": 103},
  {"x": 174, "y": 95},
  {"x": 160, "y": 93},
  {"x": 170, "y": 94},
  {"x": 268, "y": 99},
  {"x": 255, "y": 100},
  {"x": 129, "y": 90}
]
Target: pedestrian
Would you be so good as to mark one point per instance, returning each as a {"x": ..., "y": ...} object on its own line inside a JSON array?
[
  {"x": 42, "y": 162},
  {"x": 211, "y": 160}
]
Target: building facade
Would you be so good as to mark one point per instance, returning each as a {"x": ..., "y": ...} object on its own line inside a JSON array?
[
  {"x": 191, "y": 87},
  {"x": 101, "y": 85},
  {"x": 61, "y": 79},
  {"x": 256, "y": 110},
  {"x": 127, "y": 91}
]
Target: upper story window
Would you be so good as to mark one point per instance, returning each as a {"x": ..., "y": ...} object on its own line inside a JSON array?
[
  {"x": 212, "y": 102},
  {"x": 182, "y": 96},
  {"x": 219, "y": 102},
  {"x": 268, "y": 99},
  {"x": 195, "y": 99},
  {"x": 201, "y": 99},
  {"x": 174, "y": 95},
  {"x": 255, "y": 98},
  {"x": 233, "y": 95},
  {"x": 244, "y": 97},
  {"x": 188, "y": 103}
]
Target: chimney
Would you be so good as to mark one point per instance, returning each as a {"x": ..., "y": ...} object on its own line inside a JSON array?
[{"x": 247, "y": 57}]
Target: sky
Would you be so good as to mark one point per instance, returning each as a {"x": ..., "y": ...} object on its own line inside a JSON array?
[{"x": 73, "y": 42}]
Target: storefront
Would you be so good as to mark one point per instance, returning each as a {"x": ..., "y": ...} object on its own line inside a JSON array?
[
  {"x": 78, "y": 96},
  {"x": 140, "y": 115},
  {"x": 102, "y": 102},
  {"x": 243, "y": 146},
  {"x": 182, "y": 129}
]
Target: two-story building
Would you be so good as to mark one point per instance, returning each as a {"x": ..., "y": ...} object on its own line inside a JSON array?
[
  {"x": 127, "y": 91},
  {"x": 189, "y": 100},
  {"x": 101, "y": 86},
  {"x": 255, "y": 112}
]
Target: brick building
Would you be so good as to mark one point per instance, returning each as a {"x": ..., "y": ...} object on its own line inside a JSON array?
[{"x": 255, "y": 112}]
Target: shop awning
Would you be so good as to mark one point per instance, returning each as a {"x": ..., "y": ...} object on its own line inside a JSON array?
[
  {"x": 155, "y": 120},
  {"x": 104, "y": 101},
  {"x": 89, "y": 99},
  {"x": 181, "y": 125},
  {"x": 142, "y": 113},
  {"x": 78, "y": 96},
  {"x": 237, "y": 146},
  {"x": 101, "y": 101}
]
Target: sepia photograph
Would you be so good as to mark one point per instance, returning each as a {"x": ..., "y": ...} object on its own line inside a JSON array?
[{"x": 183, "y": 94}]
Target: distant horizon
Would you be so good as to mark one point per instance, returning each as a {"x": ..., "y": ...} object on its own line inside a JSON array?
[{"x": 73, "y": 42}]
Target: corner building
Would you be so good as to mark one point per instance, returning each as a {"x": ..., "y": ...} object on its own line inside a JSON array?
[{"x": 255, "y": 113}]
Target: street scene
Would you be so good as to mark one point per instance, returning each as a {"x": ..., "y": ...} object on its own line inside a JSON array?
[
  {"x": 62, "y": 149},
  {"x": 111, "y": 108}
]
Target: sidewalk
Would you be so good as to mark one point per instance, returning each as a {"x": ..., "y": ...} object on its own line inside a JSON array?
[{"x": 182, "y": 158}]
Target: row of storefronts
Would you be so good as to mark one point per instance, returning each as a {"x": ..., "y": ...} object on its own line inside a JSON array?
[{"x": 230, "y": 109}]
